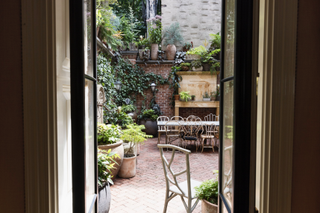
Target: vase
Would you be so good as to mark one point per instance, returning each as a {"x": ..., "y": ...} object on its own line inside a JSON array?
[
  {"x": 129, "y": 167},
  {"x": 118, "y": 149},
  {"x": 151, "y": 127},
  {"x": 207, "y": 207},
  {"x": 171, "y": 51},
  {"x": 154, "y": 51}
]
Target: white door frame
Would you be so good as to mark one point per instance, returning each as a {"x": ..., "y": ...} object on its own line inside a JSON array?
[
  {"x": 39, "y": 105},
  {"x": 278, "y": 27}
]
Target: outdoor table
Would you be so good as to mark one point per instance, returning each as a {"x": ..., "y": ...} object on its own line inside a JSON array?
[{"x": 186, "y": 123}]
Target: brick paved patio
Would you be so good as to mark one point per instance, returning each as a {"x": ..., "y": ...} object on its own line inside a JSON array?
[{"x": 145, "y": 192}]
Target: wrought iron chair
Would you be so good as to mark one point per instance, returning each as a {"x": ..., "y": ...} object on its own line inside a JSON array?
[
  {"x": 184, "y": 189},
  {"x": 173, "y": 131},
  {"x": 193, "y": 118},
  {"x": 208, "y": 132},
  {"x": 161, "y": 129},
  {"x": 190, "y": 133}
]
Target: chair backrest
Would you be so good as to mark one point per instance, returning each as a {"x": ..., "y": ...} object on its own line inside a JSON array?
[
  {"x": 209, "y": 130},
  {"x": 193, "y": 118},
  {"x": 179, "y": 118},
  {"x": 173, "y": 128},
  {"x": 192, "y": 129},
  {"x": 167, "y": 168},
  {"x": 211, "y": 117},
  {"x": 162, "y": 118}
]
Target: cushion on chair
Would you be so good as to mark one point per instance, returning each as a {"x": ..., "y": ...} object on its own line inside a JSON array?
[
  {"x": 184, "y": 188},
  {"x": 190, "y": 138}
]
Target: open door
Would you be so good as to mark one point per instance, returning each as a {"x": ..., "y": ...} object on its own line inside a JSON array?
[
  {"x": 236, "y": 104},
  {"x": 83, "y": 105}
]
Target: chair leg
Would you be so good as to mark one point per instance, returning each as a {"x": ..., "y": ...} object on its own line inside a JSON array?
[
  {"x": 212, "y": 142},
  {"x": 202, "y": 141},
  {"x": 159, "y": 135}
]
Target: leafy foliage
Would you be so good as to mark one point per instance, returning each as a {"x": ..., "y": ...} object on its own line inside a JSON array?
[
  {"x": 185, "y": 96},
  {"x": 128, "y": 108},
  {"x": 174, "y": 82},
  {"x": 215, "y": 41},
  {"x": 197, "y": 51},
  {"x": 196, "y": 64},
  {"x": 106, "y": 162},
  {"x": 155, "y": 30},
  {"x": 134, "y": 135},
  {"x": 172, "y": 35},
  {"x": 128, "y": 28},
  {"x": 208, "y": 191},
  {"x": 149, "y": 114},
  {"x": 108, "y": 134}
]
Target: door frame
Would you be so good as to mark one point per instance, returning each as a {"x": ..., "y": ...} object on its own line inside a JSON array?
[{"x": 277, "y": 51}]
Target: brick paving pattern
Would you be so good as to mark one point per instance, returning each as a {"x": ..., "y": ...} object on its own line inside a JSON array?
[{"x": 145, "y": 193}]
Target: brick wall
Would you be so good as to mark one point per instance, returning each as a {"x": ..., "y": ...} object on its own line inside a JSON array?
[
  {"x": 164, "y": 92},
  {"x": 200, "y": 112}
]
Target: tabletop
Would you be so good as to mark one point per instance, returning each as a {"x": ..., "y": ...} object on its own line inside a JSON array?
[{"x": 162, "y": 123}]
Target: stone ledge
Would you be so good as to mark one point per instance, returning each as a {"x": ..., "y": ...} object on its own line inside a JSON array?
[
  {"x": 196, "y": 73},
  {"x": 156, "y": 62}
]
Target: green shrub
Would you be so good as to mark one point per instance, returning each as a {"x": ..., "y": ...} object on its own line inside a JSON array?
[
  {"x": 185, "y": 95},
  {"x": 106, "y": 162},
  {"x": 108, "y": 134},
  {"x": 197, "y": 50},
  {"x": 149, "y": 114},
  {"x": 208, "y": 191},
  {"x": 172, "y": 35}
]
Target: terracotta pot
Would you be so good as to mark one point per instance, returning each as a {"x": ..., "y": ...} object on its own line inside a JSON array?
[
  {"x": 176, "y": 97},
  {"x": 154, "y": 51},
  {"x": 128, "y": 168},
  {"x": 171, "y": 51},
  {"x": 151, "y": 127},
  {"x": 207, "y": 207},
  {"x": 116, "y": 148},
  {"x": 104, "y": 199},
  {"x": 184, "y": 68}
]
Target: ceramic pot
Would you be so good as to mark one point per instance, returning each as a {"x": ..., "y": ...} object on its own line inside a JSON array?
[
  {"x": 129, "y": 167},
  {"x": 133, "y": 115},
  {"x": 184, "y": 68},
  {"x": 151, "y": 127},
  {"x": 176, "y": 97},
  {"x": 197, "y": 69},
  {"x": 207, "y": 207},
  {"x": 118, "y": 149},
  {"x": 104, "y": 199},
  {"x": 171, "y": 51},
  {"x": 206, "y": 66},
  {"x": 154, "y": 51},
  {"x": 141, "y": 53}
]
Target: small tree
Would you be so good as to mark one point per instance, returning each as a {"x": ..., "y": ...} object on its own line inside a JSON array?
[{"x": 134, "y": 135}]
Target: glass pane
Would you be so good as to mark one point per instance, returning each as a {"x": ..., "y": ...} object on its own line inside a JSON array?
[
  {"x": 89, "y": 143},
  {"x": 88, "y": 57},
  {"x": 229, "y": 36},
  {"x": 228, "y": 135}
]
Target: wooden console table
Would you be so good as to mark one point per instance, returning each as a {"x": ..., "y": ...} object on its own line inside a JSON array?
[{"x": 196, "y": 104}]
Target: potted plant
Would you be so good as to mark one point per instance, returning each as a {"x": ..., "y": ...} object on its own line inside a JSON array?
[
  {"x": 185, "y": 66},
  {"x": 206, "y": 97},
  {"x": 148, "y": 118},
  {"x": 187, "y": 46},
  {"x": 129, "y": 32},
  {"x": 130, "y": 110},
  {"x": 174, "y": 82},
  {"x": 193, "y": 97},
  {"x": 172, "y": 37},
  {"x": 155, "y": 35},
  {"x": 109, "y": 138},
  {"x": 142, "y": 43},
  {"x": 207, "y": 192},
  {"x": 134, "y": 136},
  {"x": 195, "y": 53},
  {"x": 184, "y": 96},
  {"x": 196, "y": 65},
  {"x": 106, "y": 162}
]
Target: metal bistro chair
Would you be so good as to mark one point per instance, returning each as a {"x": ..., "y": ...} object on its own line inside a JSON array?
[
  {"x": 161, "y": 129},
  {"x": 190, "y": 133},
  {"x": 208, "y": 132},
  {"x": 173, "y": 188},
  {"x": 173, "y": 131},
  {"x": 177, "y": 118}
]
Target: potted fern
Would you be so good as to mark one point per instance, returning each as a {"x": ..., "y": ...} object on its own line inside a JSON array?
[
  {"x": 172, "y": 37},
  {"x": 134, "y": 136},
  {"x": 207, "y": 192}
]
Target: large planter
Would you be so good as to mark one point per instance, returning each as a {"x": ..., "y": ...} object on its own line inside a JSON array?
[
  {"x": 197, "y": 69},
  {"x": 206, "y": 66},
  {"x": 118, "y": 149},
  {"x": 129, "y": 167},
  {"x": 171, "y": 51},
  {"x": 154, "y": 51},
  {"x": 207, "y": 207},
  {"x": 151, "y": 127},
  {"x": 104, "y": 199}
]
